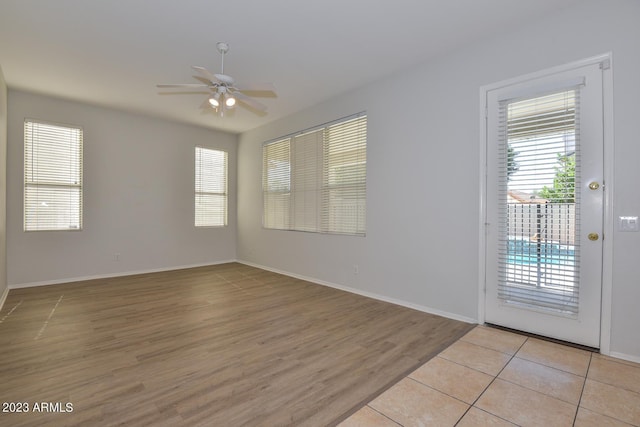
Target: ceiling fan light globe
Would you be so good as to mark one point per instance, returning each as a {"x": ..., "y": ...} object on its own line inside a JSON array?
[
  {"x": 214, "y": 102},
  {"x": 230, "y": 101}
]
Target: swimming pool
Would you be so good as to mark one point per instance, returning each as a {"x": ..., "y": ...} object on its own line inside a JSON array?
[{"x": 525, "y": 252}]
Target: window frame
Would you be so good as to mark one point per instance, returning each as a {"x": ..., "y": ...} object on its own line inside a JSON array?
[
  {"x": 314, "y": 198},
  {"x": 200, "y": 214},
  {"x": 33, "y": 221}
]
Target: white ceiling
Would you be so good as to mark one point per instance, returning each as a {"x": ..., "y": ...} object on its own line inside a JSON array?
[{"x": 114, "y": 52}]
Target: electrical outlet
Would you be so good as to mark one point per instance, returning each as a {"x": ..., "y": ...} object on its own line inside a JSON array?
[{"x": 356, "y": 269}]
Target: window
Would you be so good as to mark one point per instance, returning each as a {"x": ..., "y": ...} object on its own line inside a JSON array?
[
  {"x": 210, "y": 188},
  {"x": 52, "y": 176},
  {"x": 539, "y": 145},
  {"x": 316, "y": 180}
]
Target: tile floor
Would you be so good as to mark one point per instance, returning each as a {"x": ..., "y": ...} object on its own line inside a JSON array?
[{"x": 492, "y": 377}]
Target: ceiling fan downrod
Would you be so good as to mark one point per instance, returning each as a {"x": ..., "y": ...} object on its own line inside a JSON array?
[{"x": 222, "y": 48}]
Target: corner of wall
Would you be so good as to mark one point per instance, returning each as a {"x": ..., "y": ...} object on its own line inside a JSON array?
[{"x": 4, "y": 289}]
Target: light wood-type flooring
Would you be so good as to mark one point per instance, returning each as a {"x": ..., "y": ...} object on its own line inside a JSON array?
[{"x": 226, "y": 345}]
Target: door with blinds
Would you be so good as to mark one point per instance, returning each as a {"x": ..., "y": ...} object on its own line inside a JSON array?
[{"x": 544, "y": 205}]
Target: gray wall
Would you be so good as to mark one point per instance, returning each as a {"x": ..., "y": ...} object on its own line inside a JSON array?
[
  {"x": 3, "y": 188},
  {"x": 423, "y": 196},
  {"x": 138, "y": 197}
]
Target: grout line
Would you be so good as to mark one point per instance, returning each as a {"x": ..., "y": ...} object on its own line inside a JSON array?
[
  {"x": 611, "y": 359},
  {"x": 584, "y": 384},
  {"x": 46, "y": 322},
  {"x": 407, "y": 376},
  {"x": 10, "y": 311},
  {"x": 486, "y": 412},
  {"x": 613, "y": 417},
  {"x": 492, "y": 381},
  {"x": 383, "y": 414}
]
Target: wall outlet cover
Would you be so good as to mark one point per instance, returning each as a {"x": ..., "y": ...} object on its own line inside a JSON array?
[{"x": 628, "y": 223}]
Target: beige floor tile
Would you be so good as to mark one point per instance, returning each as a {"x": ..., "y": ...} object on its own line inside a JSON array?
[
  {"x": 450, "y": 378},
  {"x": 367, "y": 417},
  {"x": 557, "y": 356},
  {"x": 615, "y": 402},
  {"x": 615, "y": 374},
  {"x": 587, "y": 418},
  {"x": 476, "y": 357},
  {"x": 525, "y": 407},
  {"x": 477, "y": 418},
  {"x": 410, "y": 403},
  {"x": 614, "y": 359},
  {"x": 495, "y": 339},
  {"x": 553, "y": 382}
]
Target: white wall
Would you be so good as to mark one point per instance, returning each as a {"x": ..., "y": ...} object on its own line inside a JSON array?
[
  {"x": 138, "y": 196},
  {"x": 423, "y": 195},
  {"x": 3, "y": 188}
]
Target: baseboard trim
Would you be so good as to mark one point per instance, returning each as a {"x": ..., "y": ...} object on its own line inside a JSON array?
[
  {"x": 372, "y": 295},
  {"x": 110, "y": 275},
  {"x": 3, "y": 297},
  {"x": 627, "y": 357}
]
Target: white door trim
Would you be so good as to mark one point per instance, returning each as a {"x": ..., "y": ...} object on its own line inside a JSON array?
[{"x": 608, "y": 219}]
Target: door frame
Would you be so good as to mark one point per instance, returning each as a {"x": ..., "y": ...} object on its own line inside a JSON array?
[{"x": 606, "y": 62}]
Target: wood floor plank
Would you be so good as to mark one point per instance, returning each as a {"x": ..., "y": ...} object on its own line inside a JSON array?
[{"x": 221, "y": 345}]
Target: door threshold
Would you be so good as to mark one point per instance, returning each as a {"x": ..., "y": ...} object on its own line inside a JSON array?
[{"x": 543, "y": 338}]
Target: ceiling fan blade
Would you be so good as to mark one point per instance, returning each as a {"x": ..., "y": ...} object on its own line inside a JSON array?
[
  {"x": 249, "y": 101},
  {"x": 190, "y": 85},
  {"x": 208, "y": 74},
  {"x": 203, "y": 80},
  {"x": 257, "y": 87}
]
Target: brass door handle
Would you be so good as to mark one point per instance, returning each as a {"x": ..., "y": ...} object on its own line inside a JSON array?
[
  {"x": 594, "y": 185},
  {"x": 593, "y": 236}
]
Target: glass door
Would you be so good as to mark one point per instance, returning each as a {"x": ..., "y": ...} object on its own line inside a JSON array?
[{"x": 545, "y": 206}]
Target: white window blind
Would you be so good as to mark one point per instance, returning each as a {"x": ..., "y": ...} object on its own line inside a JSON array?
[
  {"x": 276, "y": 171},
  {"x": 210, "y": 187},
  {"x": 344, "y": 177},
  {"x": 306, "y": 176},
  {"x": 539, "y": 154},
  {"x": 315, "y": 181},
  {"x": 52, "y": 176}
]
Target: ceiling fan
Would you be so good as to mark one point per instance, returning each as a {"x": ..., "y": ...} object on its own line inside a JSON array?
[{"x": 224, "y": 92}]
